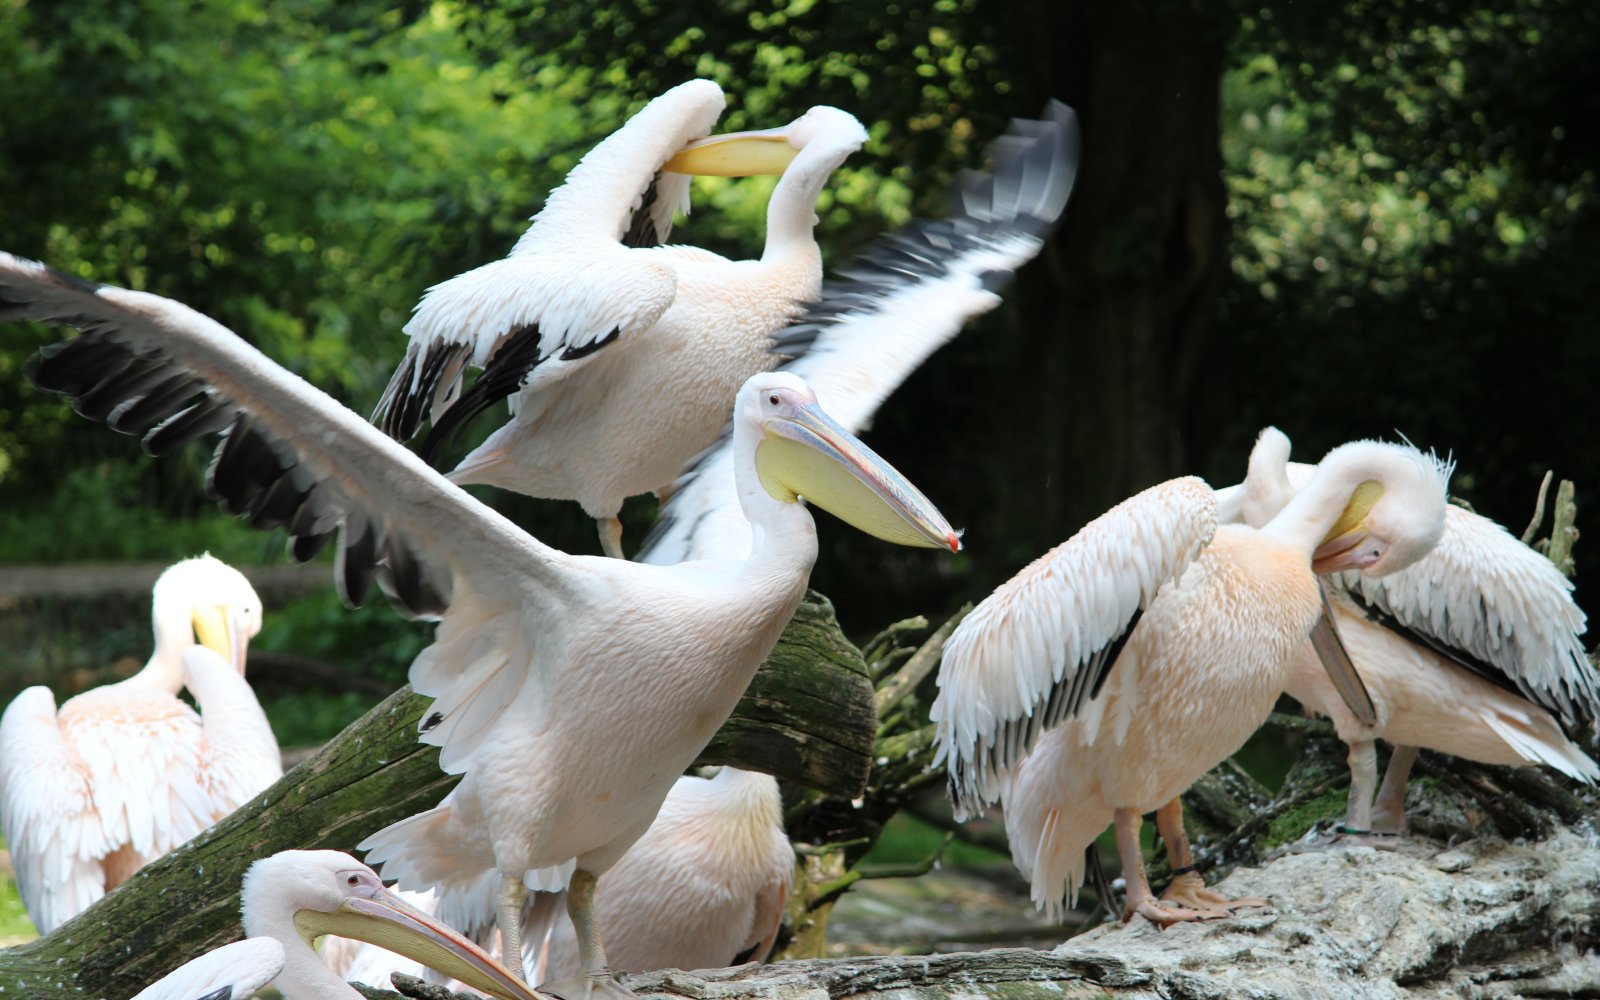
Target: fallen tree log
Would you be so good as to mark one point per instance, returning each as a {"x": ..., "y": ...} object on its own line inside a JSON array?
[
  {"x": 808, "y": 718},
  {"x": 1487, "y": 918}
]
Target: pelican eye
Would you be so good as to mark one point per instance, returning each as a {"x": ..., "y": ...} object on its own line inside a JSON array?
[
  {"x": 352, "y": 880},
  {"x": 773, "y": 399}
]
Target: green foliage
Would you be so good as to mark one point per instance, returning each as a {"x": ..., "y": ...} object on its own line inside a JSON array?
[
  {"x": 372, "y": 640},
  {"x": 312, "y": 718},
  {"x": 907, "y": 840},
  {"x": 1414, "y": 196},
  {"x": 106, "y": 511}
]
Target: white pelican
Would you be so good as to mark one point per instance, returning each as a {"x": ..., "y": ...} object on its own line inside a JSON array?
[
  {"x": 704, "y": 888},
  {"x": 663, "y": 336},
  {"x": 293, "y": 897},
  {"x": 126, "y": 772},
  {"x": 1472, "y": 651},
  {"x": 1061, "y": 698},
  {"x": 572, "y": 691},
  {"x": 888, "y": 309}
]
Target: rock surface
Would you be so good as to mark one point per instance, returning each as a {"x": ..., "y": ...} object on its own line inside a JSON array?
[{"x": 1486, "y": 918}]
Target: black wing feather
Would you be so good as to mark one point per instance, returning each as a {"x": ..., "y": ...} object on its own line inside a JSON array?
[{"x": 121, "y": 379}]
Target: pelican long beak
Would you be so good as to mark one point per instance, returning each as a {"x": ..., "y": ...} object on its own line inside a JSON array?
[
  {"x": 222, "y": 631},
  {"x": 391, "y": 923},
  {"x": 735, "y": 154},
  {"x": 1341, "y": 548},
  {"x": 809, "y": 455},
  {"x": 1341, "y": 669}
]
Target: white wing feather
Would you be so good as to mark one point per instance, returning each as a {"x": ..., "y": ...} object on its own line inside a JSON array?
[
  {"x": 1021, "y": 660},
  {"x": 568, "y": 281},
  {"x": 1480, "y": 592},
  {"x": 47, "y": 810},
  {"x": 1484, "y": 592},
  {"x": 241, "y": 967}
]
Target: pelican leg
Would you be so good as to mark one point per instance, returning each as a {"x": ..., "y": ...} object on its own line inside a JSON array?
[
  {"x": 1188, "y": 888},
  {"x": 508, "y": 916},
  {"x": 1363, "y": 780},
  {"x": 1389, "y": 810},
  {"x": 610, "y": 536},
  {"x": 1140, "y": 899},
  {"x": 595, "y": 980}
]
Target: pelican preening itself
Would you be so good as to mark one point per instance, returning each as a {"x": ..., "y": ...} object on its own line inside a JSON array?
[
  {"x": 570, "y": 691},
  {"x": 126, "y": 772},
  {"x": 1474, "y": 651},
  {"x": 294, "y": 897},
  {"x": 1102, "y": 680},
  {"x": 620, "y": 362}
]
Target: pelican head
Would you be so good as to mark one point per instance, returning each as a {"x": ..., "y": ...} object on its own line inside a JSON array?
[
  {"x": 803, "y": 452},
  {"x": 1394, "y": 513},
  {"x": 834, "y": 133},
  {"x": 328, "y": 892},
  {"x": 206, "y": 598}
]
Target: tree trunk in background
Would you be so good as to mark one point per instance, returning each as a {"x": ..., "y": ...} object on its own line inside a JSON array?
[
  {"x": 1141, "y": 257},
  {"x": 1091, "y": 391}
]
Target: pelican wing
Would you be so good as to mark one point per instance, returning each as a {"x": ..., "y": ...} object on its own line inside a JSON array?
[
  {"x": 48, "y": 813},
  {"x": 1496, "y": 607},
  {"x": 232, "y": 972},
  {"x": 888, "y": 310},
  {"x": 528, "y": 320},
  {"x": 570, "y": 286},
  {"x": 1039, "y": 648},
  {"x": 291, "y": 456}
]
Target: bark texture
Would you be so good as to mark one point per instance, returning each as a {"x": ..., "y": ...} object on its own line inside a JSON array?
[
  {"x": 1488, "y": 918},
  {"x": 376, "y": 772}
]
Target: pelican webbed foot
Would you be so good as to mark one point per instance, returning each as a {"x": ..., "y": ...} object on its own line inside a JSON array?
[
  {"x": 1188, "y": 890},
  {"x": 597, "y": 987},
  {"x": 1163, "y": 912}
]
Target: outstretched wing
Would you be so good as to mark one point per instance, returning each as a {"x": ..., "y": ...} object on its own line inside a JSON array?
[
  {"x": 1496, "y": 607},
  {"x": 1038, "y": 649},
  {"x": 888, "y": 309},
  {"x": 571, "y": 285},
  {"x": 291, "y": 456}
]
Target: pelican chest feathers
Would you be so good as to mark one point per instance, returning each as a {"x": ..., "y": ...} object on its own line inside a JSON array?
[
  {"x": 620, "y": 361},
  {"x": 292, "y": 898},
  {"x": 1474, "y": 651},
  {"x": 1103, "y": 679},
  {"x": 126, "y": 772}
]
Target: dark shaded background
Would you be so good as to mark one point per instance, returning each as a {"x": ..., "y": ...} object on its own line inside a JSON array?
[{"x": 1349, "y": 219}]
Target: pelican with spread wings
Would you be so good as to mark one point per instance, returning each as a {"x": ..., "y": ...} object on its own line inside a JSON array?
[
  {"x": 620, "y": 359},
  {"x": 571, "y": 692}
]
